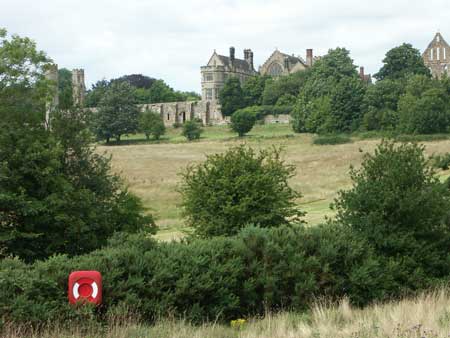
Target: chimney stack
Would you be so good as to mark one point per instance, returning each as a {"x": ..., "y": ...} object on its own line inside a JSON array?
[
  {"x": 309, "y": 57},
  {"x": 361, "y": 73},
  {"x": 232, "y": 54}
]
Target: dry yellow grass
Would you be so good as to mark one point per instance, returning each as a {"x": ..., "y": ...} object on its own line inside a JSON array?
[
  {"x": 426, "y": 316},
  {"x": 151, "y": 170}
]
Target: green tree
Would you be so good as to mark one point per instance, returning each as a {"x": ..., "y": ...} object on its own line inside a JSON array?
[
  {"x": 231, "y": 96},
  {"x": 380, "y": 104},
  {"x": 237, "y": 188},
  {"x": 402, "y": 61},
  {"x": 192, "y": 130},
  {"x": 65, "y": 88},
  {"x": 117, "y": 113},
  {"x": 399, "y": 205},
  {"x": 253, "y": 89},
  {"x": 285, "y": 85},
  {"x": 96, "y": 93},
  {"x": 23, "y": 88},
  {"x": 425, "y": 108},
  {"x": 242, "y": 121},
  {"x": 151, "y": 123}
]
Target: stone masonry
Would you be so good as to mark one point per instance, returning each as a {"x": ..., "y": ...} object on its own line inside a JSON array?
[{"x": 437, "y": 56}]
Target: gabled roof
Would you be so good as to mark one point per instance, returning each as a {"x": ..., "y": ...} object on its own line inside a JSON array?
[
  {"x": 438, "y": 39},
  {"x": 238, "y": 63},
  {"x": 293, "y": 60}
]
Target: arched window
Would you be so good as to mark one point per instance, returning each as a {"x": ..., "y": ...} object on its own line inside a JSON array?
[{"x": 275, "y": 69}]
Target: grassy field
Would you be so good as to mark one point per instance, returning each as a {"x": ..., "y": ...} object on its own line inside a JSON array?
[
  {"x": 152, "y": 169},
  {"x": 426, "y": 316}
]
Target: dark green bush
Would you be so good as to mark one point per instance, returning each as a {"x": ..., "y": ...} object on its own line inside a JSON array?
[
  {"x": 192, "y": 130},
  {"x": 421, "y": 137},
  {"x": 239, "y": 187},
  {"x": 331, "y": 139},
  {"x": 220, "y": 278},
  {"x": 242, "y": 121}
]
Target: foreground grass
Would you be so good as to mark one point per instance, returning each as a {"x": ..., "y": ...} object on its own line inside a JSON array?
[
  {"x": 426, "y": 316},
  {"x": 152, "y": 169}
]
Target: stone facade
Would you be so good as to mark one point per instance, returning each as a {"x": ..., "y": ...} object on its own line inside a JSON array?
[
  {"x": 180, "y": 112},
  {"x": 219, "y": 68},
  {"x": 437, "y": 56},
  {"x": 78, "y": 87},
  {"x": 280, "y": 64}
]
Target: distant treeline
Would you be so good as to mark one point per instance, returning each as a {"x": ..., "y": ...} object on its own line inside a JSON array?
[{"x": 331, "y": 97}]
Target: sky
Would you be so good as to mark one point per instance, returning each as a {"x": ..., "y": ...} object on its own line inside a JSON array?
[{"x": 172, "y": 39}]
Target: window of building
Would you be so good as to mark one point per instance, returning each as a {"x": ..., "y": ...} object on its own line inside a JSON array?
[
  {"x": 275, "y": 69},
  {"x": 431, "y": 54},
  {"x": 445, "y": 53},
  {"x": 216, "y": 93},
  {"x": 208, "y": 76},
  {"x": 438, "y": 54},
  {"x": 209, "y": 93}
]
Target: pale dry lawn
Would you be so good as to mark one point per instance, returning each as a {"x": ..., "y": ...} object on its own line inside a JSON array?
[
  {"x": 426, "y": 316},
  {"x": 152, "y": 170}
]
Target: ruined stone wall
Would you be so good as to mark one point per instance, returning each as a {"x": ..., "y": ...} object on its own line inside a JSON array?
[
  {"x": 180, "y": 112},
  {"x": 282, "y": 118}
]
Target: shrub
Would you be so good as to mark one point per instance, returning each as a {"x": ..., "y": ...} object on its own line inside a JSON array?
[
  {"x": 199, "y": 280},
  {"x": 151, "y": 123},
  {"x": 236, "y": 188},
  {"x": 242, "y": 121},
  {"x": 192, "y": 130},
  {"x": 400, "y": 207},
  {"x": 57, "y": 195},
  {"x": 331, "y": 139},
  {"x": 441, "y": 161}
]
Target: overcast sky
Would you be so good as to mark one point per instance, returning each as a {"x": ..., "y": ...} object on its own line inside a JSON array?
[{"x": 171, "y": 39}]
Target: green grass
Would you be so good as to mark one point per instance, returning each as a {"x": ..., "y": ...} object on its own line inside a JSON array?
[{"x": 152, "y": 169}]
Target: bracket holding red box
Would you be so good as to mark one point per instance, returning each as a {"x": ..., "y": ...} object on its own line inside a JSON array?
[{"x": 85, "y": 287}]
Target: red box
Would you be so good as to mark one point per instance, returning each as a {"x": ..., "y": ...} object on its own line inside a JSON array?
[{"x": 85, "y": 286}]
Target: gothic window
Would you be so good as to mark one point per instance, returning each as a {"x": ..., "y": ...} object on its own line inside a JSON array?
[
  {"x": 275, "y": 69},
  {"x": 431, "y": 54},
  {"x": 438, "y": 53},
  {"x": 216, "y": 93},
  {"x": 445, "y": 53}
]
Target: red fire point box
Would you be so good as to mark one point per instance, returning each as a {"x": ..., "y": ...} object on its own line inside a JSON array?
[{"x": 85, "y": 286}]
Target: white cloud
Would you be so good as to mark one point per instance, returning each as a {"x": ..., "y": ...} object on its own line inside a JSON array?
[{"x": 171, "y": 39}]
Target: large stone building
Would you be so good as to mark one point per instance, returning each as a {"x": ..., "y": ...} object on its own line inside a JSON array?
[
  {"x": 279, "y": 64},
  {"x": 219, "y": 68},
  {"x": 437, "y": 56}
]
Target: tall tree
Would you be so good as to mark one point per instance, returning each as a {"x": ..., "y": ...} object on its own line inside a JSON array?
[
  {"x": 231, "y": 96},
  {"x": 402, "y": 61},
  {"x": 117, "y": 113},
  {"x": 65, "y": 88}
]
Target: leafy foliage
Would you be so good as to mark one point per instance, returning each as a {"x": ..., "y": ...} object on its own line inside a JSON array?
[
  {"x": 242, "y": 121},
  {"x": 331, "y": 139},
  {"x": 117, "y": 114},
  {"x": 401, "y": 62},
  {"x": 151, "y": 123},
  {"x": 240, "y": 187},
  {"x": 192, "y": 130},
  {"x": 400, "y": 207},
  {"x": 231, "y": 96},
  {"x": 65, "y": 88},
  {"x": 56, "y": 194}
]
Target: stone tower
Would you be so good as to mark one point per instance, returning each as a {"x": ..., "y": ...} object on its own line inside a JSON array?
[
  {"x": 78, "y": 87},
  {"x": 437, "y": 56},
  {"x": 51, "y": 74}
]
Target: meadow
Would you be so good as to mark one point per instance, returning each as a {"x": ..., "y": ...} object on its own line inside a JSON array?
[{"x": 151, "y": 168}]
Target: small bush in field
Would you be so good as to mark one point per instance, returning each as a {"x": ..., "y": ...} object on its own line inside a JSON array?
[
  {"x": 192, "y": 130},
  {"x": 331, "y": 139},
  {"x": 151, "y": 124},
  {"x": 242, "y": 121},
  {"x": 239, "y": 187},
  {"x": 441, "y": 161}
]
